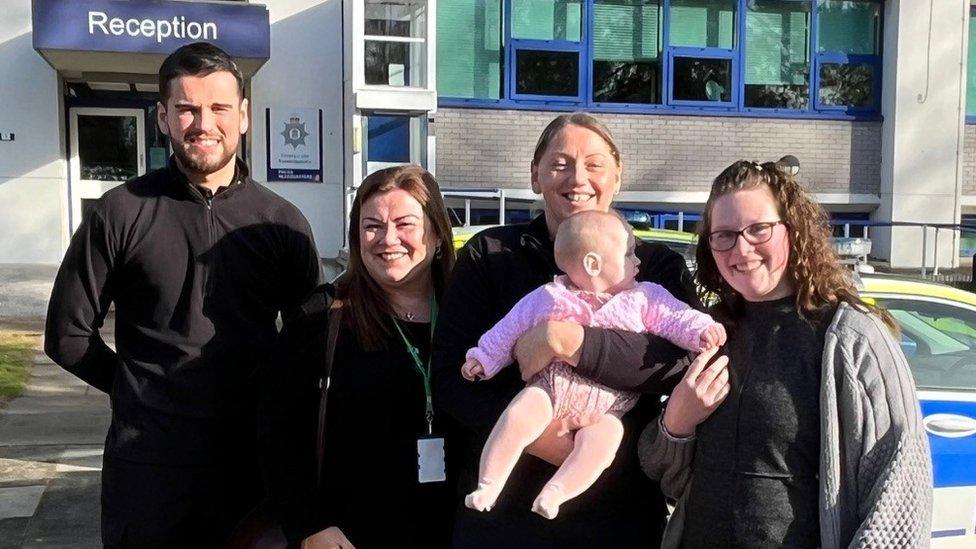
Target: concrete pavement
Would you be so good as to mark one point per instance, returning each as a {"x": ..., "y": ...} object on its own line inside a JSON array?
[{"x": 51, "y": 442}]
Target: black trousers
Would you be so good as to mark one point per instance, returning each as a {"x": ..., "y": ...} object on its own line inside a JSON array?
[
  {"x": 519, "y": 528},
  {"x": 149, "y": 505}
]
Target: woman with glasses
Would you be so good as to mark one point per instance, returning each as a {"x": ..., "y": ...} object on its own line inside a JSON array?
[{"x": 809, "y": 434}]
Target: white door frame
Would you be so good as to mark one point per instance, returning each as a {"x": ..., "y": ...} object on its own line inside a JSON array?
[{"x": 81, "y": 189}]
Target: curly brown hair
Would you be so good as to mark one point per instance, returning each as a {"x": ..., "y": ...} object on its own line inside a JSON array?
[{"x": 812, "y": 265}]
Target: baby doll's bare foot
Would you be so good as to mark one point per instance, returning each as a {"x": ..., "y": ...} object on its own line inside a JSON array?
[
  {"x": 548, "y": 501},
  {"x": 484, "y": 496}
]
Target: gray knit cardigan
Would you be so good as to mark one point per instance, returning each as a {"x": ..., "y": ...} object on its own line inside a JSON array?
[{"x": 875, "y": 466}]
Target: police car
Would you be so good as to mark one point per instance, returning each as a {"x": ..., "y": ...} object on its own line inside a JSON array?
[{"x": 938, "y": 326}]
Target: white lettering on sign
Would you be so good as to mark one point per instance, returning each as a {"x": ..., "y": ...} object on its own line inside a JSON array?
[{"x": 158, "y": 29}]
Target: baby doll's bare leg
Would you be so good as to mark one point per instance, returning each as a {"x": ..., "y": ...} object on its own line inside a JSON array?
[
  {"x": 594, "y": 449},
  {"x": 526, "y": 417}
]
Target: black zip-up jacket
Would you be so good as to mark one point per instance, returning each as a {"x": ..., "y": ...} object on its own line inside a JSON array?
[
  {"x": 198, "y": 282},
  {"x": 493, "y": 271}
]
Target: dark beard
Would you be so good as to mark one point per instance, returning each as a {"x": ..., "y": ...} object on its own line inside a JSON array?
[{"x": 201, "y": 166}]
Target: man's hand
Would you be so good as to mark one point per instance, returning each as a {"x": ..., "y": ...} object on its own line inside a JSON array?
[
  {"x": 698, "y": 394},
  {"x": 712, "y": 336},
  {"x": 330, "y": 538},
  {"x": 547, "y": 342},
  {"x": 472, "y": 370}
]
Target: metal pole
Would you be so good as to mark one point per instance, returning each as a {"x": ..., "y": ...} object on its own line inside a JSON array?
[
  {"x": 467, "y": 212},
  {"x": 681, "y": 221},
  {"x": 935, "y": 270},
  {"x": 924, "y": 247},
  {"x": 847, "y": 230},
  {"x": 501, "y": 207}
]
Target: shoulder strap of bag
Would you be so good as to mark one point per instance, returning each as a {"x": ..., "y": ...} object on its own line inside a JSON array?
[{"x": 334, "y": 320}]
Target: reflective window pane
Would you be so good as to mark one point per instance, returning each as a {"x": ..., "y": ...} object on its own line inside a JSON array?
[
  {"x": 702, "y": 79},
  {"x": 469, "y": 48},
  {"x": 547, "y": 19},
  {"x": 849, "y": 26},
  {"x": 547, "y": 73},
  {"x": 703, "y": 23},
  {"x": 396, "y": 18},
  {"x": 108, "y": 147},
  {"x": 394, "y": 63},
  {"x": 627, "y": 51},
  {"x": 846, "y": 85},
  {"x": 971, "y": 68},
  {"x": 777, "y": 61}
]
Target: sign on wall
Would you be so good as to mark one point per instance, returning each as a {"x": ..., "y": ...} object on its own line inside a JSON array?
[
  {"x": 161, "y": 26},
  {"x": 294, "y": 138}
]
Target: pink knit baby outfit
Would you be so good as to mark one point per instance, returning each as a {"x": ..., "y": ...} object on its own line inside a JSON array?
[{"x": 647, "y": 307}]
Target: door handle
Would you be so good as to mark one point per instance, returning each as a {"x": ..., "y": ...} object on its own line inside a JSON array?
[{"x": 949, "y": 425}]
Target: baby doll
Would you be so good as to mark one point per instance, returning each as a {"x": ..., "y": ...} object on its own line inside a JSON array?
[{"x": 596, "y": 251}]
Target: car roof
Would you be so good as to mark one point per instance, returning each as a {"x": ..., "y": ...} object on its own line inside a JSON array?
[{"x": 901, "y": 285}]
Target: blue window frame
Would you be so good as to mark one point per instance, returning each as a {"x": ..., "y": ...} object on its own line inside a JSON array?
[
  {"x": 971, "y": 70},
  {"x": 809, "y": 58}
]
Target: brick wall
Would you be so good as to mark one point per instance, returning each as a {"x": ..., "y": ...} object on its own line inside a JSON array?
[
  {"x": 493, "y": 148},
  {"x": 969, "y": 160}
]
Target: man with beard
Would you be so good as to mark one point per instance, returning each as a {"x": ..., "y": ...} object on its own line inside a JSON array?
[{"x": 199, "y": 261}]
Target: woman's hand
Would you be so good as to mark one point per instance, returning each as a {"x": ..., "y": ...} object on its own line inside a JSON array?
[
  {"x": 330, "y": 538},
  {"x": 554, "y": 444},
  {"x": 698, "y": 394},
  {"x": 546, "y": 342}
]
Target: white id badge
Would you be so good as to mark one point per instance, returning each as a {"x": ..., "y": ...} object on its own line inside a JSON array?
[{"x": 430, "y": 460}]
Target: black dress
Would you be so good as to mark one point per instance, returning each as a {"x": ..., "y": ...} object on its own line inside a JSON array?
[
  {"x": 757, "y": 457},
  {"x": 375, "y": 414}
]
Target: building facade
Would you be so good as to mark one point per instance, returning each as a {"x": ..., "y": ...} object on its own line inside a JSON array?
[{"x": 874, "y": 97}]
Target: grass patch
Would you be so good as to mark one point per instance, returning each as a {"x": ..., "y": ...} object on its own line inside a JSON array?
[{"x": 16, "y": 354}]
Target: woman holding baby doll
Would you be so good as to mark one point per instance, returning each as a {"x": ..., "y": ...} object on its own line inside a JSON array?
[
  {"x": 576, "y": 167},
  {"x": 819, "y": 441},
  {"x": 381, "y": 473}
]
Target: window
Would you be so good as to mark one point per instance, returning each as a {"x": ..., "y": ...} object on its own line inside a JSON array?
[
  {"x": 805, "y": 58},
  {"x": 971, "y": 69},
  {"x": 939, "y": 341},
  {"x": 394, "y": 41},
  {"x": 392, "y": 140},
  {"x": 777, "y": 62},
  {"x": 627, "y": 51},
  {"x": 848, "y": 48}
]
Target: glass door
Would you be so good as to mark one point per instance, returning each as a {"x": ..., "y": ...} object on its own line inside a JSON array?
[{"x": 107, "y": 148}]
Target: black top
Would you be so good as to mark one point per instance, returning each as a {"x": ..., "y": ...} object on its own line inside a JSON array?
[
  {"x": 758, "y": 456},
  {"x": 494, "y": 270},
  {"x": 197, "y": 285},
  {"x": 375, "y": 414}
]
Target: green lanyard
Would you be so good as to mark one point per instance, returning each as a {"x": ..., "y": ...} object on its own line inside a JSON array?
[{"x": 424, "y": 372}]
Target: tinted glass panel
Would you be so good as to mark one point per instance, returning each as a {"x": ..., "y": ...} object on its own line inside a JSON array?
[
  {"x": 777, "y": 63},
  {"x": 108, "y": 147},
  {"x": 547, "y": 73},
  {"x": 469, "y": 48},
  {"x": 846, "y": 85},
  {"x": 939, "y": 341},
  {"x": 849, "y": 26},
  {"x": 703, "y": 23},
  {"x": 702, "y": 79},
  {"x": 394, "y": 63},
  {"x": 396, "y": 18},
  {"x": 547, "y": 19},
  {"x": 627, "y": 51},
  {"x": 971, "y": 68}
]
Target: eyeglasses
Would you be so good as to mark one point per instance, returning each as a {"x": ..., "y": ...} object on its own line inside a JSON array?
[{"x": 757, "y": 233}]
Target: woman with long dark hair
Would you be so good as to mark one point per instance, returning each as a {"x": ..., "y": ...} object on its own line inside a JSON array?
[
  {"x": 809, "y": 433},
  {"x": 365, "y": 489}
]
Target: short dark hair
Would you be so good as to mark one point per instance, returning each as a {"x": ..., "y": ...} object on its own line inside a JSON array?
[{"x": 197, "y": 59}]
